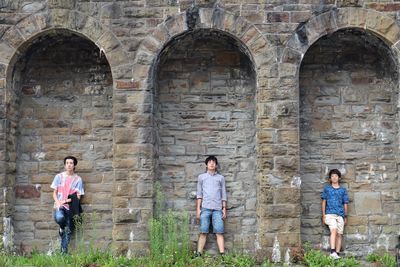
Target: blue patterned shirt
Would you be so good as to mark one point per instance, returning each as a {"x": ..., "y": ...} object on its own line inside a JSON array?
[{"x": 335, "y": 199}]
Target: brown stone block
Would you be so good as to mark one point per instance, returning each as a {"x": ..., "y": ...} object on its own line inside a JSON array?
[
  {"x": 55, "y": 147},
  {"x": 84, "y": 166},
  {"x": 286, "y": 195},
  {"x": 123, "y": 150},
  {"x": 367, "y": 202},
  {"x": 42, "y": 178},
  {"x": 227, "y": 59},
  {"x": 125, "y": 163},
  {"x": 108, "y": 41},
  {"x": 125, "y": 135},
  {"x": 143, "y": 203},
  {"x": 13, "y": 37},
  {"x": 357, "y": 17},
  {"x": 102, "y": 123},
  {"x": 288, "y": 136},
  {"x": 272, "y": 150},
  {"x": 126, "y": 215},
  {"x": 140, "y": 120},
  {"x": 321, "y": 125},
  {"x": 50, "y": 167},
  {"x": 379, "y": 220},
  {"x": 54, "y": 123},
  {"x": 160, "y": 34},
  {"x": 384, "y": 6},
  {"x": 265, "y": 136},
  {"x": 48, "y": 113},
  {"x": 250, "y": 35},
  {"x": 277, "y": 16},
  {"x": 124, "y": 189},
  {"x": 120, "y": 202},
  {"x": 281, "y": 211},
  {"x": 127, "y": 84},
  {"x": 176, "y": 25},
  {"x": 26, "y": 191},
  {"x": 139, "y": 248}
]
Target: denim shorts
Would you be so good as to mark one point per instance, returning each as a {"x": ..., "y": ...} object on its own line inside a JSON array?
[{"x": 214, "y": 216}]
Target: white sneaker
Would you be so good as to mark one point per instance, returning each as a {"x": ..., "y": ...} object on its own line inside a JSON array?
[{"x": 334, "y": 255}]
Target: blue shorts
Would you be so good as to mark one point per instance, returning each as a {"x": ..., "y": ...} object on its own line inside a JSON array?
[{"x": 214, "y": 216}]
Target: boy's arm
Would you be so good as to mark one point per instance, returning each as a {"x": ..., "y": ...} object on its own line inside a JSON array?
[
  {"x": 224, "y": 199},
  {"x": 59, "y": 203},
  {"x": 198, "y": 209},
  {"x": 346, "y": 207},
  {"x": 323, "y": 204},
  {"x": 223, "y": 209},
  {"x": 199, "y": 200}
]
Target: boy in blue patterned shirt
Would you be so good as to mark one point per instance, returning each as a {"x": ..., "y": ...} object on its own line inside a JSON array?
[{"x": 334, "y": 211}]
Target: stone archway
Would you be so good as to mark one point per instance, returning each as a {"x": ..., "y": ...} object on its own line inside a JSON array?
[
  {"x": 205, "y": 105},
  {"x": 277, "y": 149},
  {"x": 377, "y": 35},
  {"x": 62, "y": 87},
  {"x": 15, "y": 43},
  {"x": 349, "y": 121}
]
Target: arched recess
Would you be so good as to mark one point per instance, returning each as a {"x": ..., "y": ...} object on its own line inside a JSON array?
[
  {"x": 264, "y": 56},
  {"x": 205, "y": 105},
  {"x": 348, "y": 84},
  {"x": 59, "y": 103}
]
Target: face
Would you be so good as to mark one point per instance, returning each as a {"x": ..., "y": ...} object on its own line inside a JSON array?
[
  {"x": 334, "y": 178},
  {"x": 69, "y": 165},
  {"x": 211, "y": 166}
]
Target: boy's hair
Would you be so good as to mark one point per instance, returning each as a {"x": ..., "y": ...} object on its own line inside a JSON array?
[
  {"x": 73, "y": 159},
  {"x": 334, "y": 171},
  {"x": 213, "y": 158}
]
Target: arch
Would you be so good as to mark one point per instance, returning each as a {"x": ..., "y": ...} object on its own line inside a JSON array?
[
  {"x": 208, "y": 18},
  {"x": 18, "y": 36},
  {"x": 380, "y": 34},
  {"x": 204, "y": 103},
  {"x": 60, "y": 103},
  {"x": 306, "y": 34}
]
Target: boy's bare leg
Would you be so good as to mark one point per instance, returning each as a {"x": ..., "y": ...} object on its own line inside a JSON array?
[
  {"x": 338, "y": 242},
  {"x": 201, "y": 242},
  {"x": 333, "y": 238},
  {"x": 220, "y": 243}
]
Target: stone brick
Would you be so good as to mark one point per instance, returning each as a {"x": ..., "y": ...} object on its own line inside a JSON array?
[
  {"x": 125, "y": 215},
  {"x": 27, "y": 191},
  {"x": 124, "y": 189},
  {"x": 367, "y": 202}
]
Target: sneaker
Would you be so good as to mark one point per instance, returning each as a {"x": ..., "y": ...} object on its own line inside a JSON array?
[
  {"x": 197, "y": 254},
  {"x": 61, "y": 232},
  {"x": 334, "y": 256}
]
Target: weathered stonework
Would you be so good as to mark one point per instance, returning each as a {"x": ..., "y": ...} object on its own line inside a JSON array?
[{"x": 268, "y": 97}]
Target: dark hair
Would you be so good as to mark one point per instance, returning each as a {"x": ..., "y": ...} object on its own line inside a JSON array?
[
  {"x": 213, "y": 158},
  {"x": 334, "y": 171},
  {"x": 73, "y": 159}
]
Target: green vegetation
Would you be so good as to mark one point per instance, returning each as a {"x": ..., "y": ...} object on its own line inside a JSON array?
[
  {"x": 316, "y": 258},
  {"x": 170, "y": 245},
  {"x": 386, "y": 260}
]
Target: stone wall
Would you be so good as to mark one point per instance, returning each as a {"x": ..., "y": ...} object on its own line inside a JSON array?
[
  {"x": 64, "y": 108},
  {"x": 135, "y": 36},
  {"x": 349, "y": 121},
  {"x": 206, "y": 106}
]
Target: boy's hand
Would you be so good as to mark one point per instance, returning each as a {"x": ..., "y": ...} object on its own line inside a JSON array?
[
  {"x": 224, "y": 213},
  {"x": 345, "y": 220},
  {"x": 323, "y": 218}
]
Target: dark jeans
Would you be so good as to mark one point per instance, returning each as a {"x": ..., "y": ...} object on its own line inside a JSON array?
[{"x": 64, "y": 219}]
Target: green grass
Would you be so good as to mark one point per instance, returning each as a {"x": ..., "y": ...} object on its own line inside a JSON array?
[
  {"x": 386, "y": 260},
  {"x": 316, "y": 258},
  {"x": 170, "y": 245}
]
